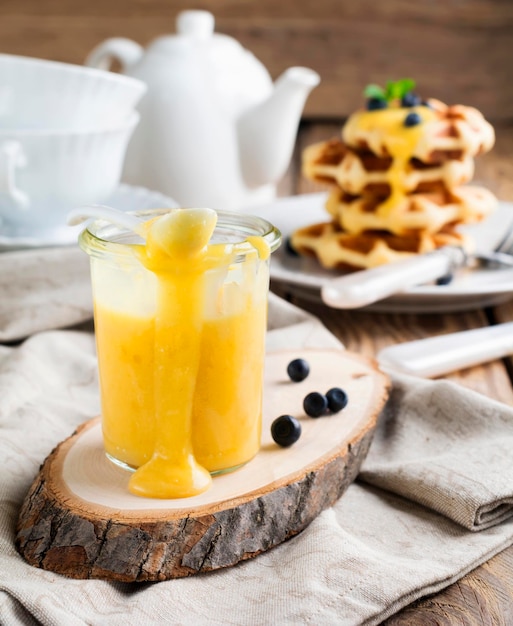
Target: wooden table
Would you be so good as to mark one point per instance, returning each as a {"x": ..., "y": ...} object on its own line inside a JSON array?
[{"x": 484, "y": 597}]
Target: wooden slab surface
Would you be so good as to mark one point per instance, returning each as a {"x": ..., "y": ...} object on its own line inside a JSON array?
[{"x": 80, "y": 520}]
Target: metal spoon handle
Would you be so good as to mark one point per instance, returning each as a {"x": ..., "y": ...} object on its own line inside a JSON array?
[
  {"x": 367, "y": 286},
  {"x": 499, "y": 258}
]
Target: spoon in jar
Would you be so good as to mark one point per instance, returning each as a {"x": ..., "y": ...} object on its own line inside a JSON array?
[
  {"x": 114, "y": 216},
  {"x": 165, "y": 232}
]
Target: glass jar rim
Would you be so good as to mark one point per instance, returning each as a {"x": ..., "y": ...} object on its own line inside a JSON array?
[{"x": 101, "y": 237}]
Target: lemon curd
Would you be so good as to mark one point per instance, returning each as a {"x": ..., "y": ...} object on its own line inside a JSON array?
[
  {"x": 180, "y": 328},
  {"x": 389, "y": 136}
]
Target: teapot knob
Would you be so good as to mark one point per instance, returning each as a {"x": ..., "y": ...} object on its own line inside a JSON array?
[{"x": 197, "y": 24}]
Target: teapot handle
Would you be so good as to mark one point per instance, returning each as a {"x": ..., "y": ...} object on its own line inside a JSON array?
[
  {"x": 12, "y": 156},
  {"x": 125, "y": 51}
]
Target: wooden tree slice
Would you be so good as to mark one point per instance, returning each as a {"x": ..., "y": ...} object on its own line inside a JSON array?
[{"x": 79, "y": 519}]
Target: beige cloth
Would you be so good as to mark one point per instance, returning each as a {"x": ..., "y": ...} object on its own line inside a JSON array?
[
  {"x": 448, "y": 449},
  {"x": 443, "y": 450},
  {"x": 43, "y": 289}
]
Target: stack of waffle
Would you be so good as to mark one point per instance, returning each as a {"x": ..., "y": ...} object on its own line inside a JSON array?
[{"x": 398, "y": 184}]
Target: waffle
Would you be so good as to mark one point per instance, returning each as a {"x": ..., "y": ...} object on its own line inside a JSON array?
[
  {"x": 358, "y": 172},
  {"x": 337, "y": 249},
  {"x": 429, "y": 212},
  {"x": 446, "y": 132},
  {"x": 398, "y": 179}
]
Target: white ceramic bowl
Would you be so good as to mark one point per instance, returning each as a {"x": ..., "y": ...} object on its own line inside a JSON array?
[
  {"x": 40, "y": 94},
  {"x": 45, "y": 173}
]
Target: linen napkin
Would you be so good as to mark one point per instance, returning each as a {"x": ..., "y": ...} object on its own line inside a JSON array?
[
  {"x": 43, "y": 289},
  {"x": 446, "y": 448},
  {"x": 359, "y": 562}
]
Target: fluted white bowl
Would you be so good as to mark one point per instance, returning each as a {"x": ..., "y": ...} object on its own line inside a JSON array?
[
  {"x": 41, "y": 94},
  {"x": 46, "y": 173}
]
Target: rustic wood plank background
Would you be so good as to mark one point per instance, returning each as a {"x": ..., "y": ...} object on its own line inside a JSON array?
[{"x": 458, "y": 50}]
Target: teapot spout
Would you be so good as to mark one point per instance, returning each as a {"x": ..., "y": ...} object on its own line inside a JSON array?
[{"x": 267, "y": 131}]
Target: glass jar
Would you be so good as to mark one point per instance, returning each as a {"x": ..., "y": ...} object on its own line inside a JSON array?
[{"x": 143, "y": 346}]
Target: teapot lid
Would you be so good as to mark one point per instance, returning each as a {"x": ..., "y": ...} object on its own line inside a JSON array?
[
  {"x": 196, "y": 29},
  {"x": 238, "y": 76},
  {"x": 197, "y": 24}
]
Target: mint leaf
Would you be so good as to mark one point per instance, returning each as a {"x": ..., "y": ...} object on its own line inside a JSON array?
[
  {"x": 404, "y": 86},
  {"x": 391, "y": 90},
  {"x": 374, "y": 91},
  {"x": 394, "y": 90}
]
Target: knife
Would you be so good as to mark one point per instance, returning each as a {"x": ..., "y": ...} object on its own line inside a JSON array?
[
  {"x": 440, "y": 355},
  {"x": 367, "y": 286}
]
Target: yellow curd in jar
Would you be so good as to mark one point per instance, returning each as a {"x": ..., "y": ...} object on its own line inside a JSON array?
[{"x": 181, "y": 381}]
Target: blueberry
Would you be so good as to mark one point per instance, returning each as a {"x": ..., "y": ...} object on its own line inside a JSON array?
[
  {"x": 337, "y": 399},
  {"x": 298, "y": 370},
  {"x": 289, "y": 248},
  {"x": 412, "y": 119},
  {"x": 375, "y": 104},
  {"x": 315, "y": 404},
  {"x": 285, "y": 430},
  {"x": 410, "y": 100},
  {"x": 445, "y": 280}
]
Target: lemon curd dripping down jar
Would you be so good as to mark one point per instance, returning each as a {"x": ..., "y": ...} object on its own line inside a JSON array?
[{"x": 136, "y": 359}]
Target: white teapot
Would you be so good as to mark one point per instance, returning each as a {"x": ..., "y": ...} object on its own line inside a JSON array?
[{"x": 214, "y": 129}]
